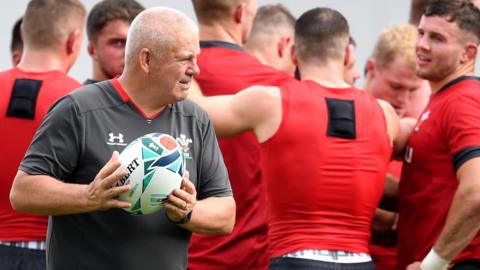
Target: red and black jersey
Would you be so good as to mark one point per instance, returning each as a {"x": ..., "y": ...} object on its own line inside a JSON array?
[
  {"x": 25, "y": 98},
  {"x": 225, "y": 68},
  {"x": 325, "y": 169},
  {"x": 446, "y": 135}
]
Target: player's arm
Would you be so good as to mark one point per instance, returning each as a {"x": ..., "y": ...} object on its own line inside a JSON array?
[
  {"x": 257, "y": 108},
  {"x": 463, "y": 220},
  {"x": 389, "y": 200},
  {"x": 212, "y": 215},
  {"x": 398, "y": 129},
  {"x": 45, "y": 195}
]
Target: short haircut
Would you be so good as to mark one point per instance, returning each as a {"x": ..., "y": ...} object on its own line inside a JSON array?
[
  {"x": 110, "y": 10},
  {"x": 157, "y": 29},
  {"x": 463, "y": 12},
  {"x": 321, "y": 33},
  {"x": 396, "y": 41},
  {"x": 351, "y": 41},
  {"x": 271, "y": 17},
  {"x": 47, "y": 22},
  {"x": 210, "y": 11},
  {"x": 17, "y": 43}
]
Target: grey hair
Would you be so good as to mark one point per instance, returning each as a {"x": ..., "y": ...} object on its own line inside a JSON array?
[{"x": 156, "y": 28}]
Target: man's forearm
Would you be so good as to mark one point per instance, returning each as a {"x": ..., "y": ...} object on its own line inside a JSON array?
[{"x": 214, "y": 215}]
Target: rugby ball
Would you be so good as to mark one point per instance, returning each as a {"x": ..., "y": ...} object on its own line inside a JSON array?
[{"x": 155, "y": 166}]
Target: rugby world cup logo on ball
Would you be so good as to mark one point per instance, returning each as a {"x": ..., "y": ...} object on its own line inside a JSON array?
[{"x": 155, "y": 167}]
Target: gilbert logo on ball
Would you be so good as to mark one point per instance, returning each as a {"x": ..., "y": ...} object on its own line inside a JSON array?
[{"x": 154, "y": 165}]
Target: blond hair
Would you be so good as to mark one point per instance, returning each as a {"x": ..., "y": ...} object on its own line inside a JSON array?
[{"x": 396, "y": 41}]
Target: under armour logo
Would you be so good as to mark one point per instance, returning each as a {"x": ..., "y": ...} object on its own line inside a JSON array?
[{"x": 115, "y": 140}]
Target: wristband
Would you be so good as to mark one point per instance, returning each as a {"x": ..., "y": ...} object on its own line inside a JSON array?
[{"x": 433, "y": 261}]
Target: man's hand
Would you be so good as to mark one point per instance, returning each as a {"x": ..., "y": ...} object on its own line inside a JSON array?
[
  {"x": 414, "y": 266},
  {"x": 182, "y": 201},
  {"x": 102, "y": 193}
]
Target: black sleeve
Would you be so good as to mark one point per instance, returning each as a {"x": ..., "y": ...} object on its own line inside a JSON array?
[
  {"x": 56, "y": 146},
  {"x": 213, "y": 174}
]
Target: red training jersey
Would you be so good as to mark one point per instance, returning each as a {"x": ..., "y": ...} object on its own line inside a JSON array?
[
  {"x": 325, "y": 169},
  {"x": 446, "y": 135},
  {"x": 16, "y": 133},
  {"x": 385, "y": 255},
  {"x": 226, "y": 68}
]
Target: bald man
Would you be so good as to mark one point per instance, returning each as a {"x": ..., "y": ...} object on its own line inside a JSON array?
[{"x": 71, "y": 159}]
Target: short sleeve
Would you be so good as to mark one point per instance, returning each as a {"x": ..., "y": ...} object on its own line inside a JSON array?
[
  {"x": 213, "y": 174},
  {"x": 462, "y": 127},
  {"x": 56, "y": 146}
]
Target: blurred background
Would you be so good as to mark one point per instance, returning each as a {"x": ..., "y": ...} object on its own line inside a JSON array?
[{"x": 367, "y": 18}]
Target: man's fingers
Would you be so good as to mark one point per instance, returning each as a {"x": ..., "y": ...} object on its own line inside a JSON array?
[
  {"x": 112, "y": 179},
  {"x": 187, "y": 185},
  {"x": 116, "y": 191},
  {"x": 177, "y": 201},
  {"x": 118, "y": 204},
  {"x": 110, "y": 167}
]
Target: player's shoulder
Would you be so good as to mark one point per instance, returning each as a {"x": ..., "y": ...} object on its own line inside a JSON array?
[
  {"x": 188, "y": 109},
  {"x": 95, "y": 96}
]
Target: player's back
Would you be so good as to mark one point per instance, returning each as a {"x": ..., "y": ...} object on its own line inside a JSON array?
[
  {"x": 25, "y": 98},
  {"x": 225, "y": 68},
  {"x": 325, "y": 168}
]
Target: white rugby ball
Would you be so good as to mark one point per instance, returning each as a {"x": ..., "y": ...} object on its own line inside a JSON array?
[{"x": 155, "y": 167}]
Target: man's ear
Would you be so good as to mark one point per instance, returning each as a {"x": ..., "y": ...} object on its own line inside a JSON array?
[
  {"x": 470, "y": 53},
  {"x": 16, "y": 57},
  {"x": 348, "y": 55},
  {"x": 92, "y": 51},
  {"x": 144, "y": 58},
  {"x": 240, "y": 12},
  {"x": 73, "y": 40},
  {"x": 282, "y": 46},
  {"x": 293, "y": 52},
  {"x": 371, "y": 67}
]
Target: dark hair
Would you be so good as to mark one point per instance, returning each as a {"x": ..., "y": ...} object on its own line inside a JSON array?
[
  {"x": 321, "y": 33},
  {"x": 109, "y": 10},
  {"x": 465, "y": 14},
  {"x": 17, "y": 42}
]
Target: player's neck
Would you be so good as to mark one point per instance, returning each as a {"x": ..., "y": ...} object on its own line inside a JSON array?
[
  {"x": 41, "y": 61},
  {"x": 220, "y": 32},
  {"x": 328, "y": 75},
  {"x": 98, "y": 74},
  {"x": 140, "y": 94},
  {"x": 464, "y": 70}
]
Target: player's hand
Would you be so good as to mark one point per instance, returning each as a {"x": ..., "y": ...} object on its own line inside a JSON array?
[
  {"x": 414, "y": 266},
  {"x": 101, "y": 192},
  {"x": 181, "y": 201},
  {"x": 384, "y": 221}
]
